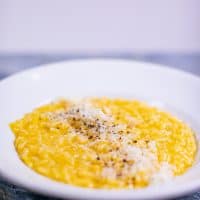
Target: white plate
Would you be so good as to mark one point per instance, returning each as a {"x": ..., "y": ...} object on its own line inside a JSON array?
[{"x": 178, "y": 91}]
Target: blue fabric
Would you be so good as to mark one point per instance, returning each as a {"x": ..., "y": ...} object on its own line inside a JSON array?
[{"x": 12, "y": 63}]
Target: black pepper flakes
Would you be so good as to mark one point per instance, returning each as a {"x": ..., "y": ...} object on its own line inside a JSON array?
[
  {"x": 98, "y": 158},
  {"x": 119, "y": 174}
]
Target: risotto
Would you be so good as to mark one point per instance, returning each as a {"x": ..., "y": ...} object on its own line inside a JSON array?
[{"x": 104, "y": 143}]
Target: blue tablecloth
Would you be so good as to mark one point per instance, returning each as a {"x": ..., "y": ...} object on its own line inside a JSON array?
[{"x": 11, "y": 63}]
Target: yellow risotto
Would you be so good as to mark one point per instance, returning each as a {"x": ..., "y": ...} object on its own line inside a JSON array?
[{"x": 104, "y": 143}]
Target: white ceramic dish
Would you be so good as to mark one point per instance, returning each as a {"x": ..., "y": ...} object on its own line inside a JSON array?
[{"x": 178, "y": 91}]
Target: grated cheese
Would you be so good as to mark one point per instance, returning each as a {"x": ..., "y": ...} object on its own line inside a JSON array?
[
  {"x": 164, "y": 174},
  {"x": 135, "y": 159}
]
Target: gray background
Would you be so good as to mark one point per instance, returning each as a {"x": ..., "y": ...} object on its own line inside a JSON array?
[{"x": 96, "y": 26}]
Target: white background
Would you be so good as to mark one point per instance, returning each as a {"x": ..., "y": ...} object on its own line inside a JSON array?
[{"x": 99, "y": 26}]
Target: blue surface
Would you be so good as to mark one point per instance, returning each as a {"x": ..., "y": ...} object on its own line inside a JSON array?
[{"x": 13, "y": 63}]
